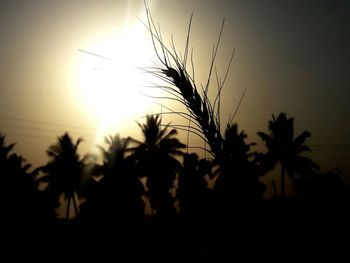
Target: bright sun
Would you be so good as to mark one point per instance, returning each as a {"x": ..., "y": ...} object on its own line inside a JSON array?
[{"x": 110, "y": 83}]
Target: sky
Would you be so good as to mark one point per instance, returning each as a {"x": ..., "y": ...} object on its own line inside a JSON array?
[{"x": 290, "y": 56}]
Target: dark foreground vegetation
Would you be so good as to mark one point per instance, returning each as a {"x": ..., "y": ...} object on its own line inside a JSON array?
[{"x": 199, "y": 208}]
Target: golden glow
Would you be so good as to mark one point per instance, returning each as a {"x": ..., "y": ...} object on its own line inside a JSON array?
[{"x": 110, "y": 86}]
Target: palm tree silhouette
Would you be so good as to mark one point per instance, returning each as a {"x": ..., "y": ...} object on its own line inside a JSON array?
[
  {"x": 283, "y": 148},
  {"x": 120, "y": 187},
  {"x": 238, "y": 183},
  {"x": 64, "y": 170},
  {"x": 193, "y": 192},
  {"x": 4, "y": 150},
  {"x": 155, "y": 159},
  {"x": 18, "y": 193}
]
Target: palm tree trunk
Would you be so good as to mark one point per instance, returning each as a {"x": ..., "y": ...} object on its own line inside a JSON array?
[
  {"x": 274, "y": 188},
  {"x": 283, "y": 190},
  {"x": 75, "y": 205},
  {"x": 68, "y": 207}
]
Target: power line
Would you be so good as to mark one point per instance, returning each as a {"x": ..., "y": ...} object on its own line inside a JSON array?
[
  {"x": 37, "y": 136},
  {"x": 35, "y": 128},
  {"x": 29, "y": 135},
  {"x": 65, "y": 126},
  {"x": 44, "y": 122},
  {"x": 5, "y": 121}
]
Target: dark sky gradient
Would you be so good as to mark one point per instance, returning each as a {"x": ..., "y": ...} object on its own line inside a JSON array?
[{"x": 290, "y": 56}]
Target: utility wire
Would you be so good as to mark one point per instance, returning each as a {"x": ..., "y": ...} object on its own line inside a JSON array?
[
  {"x": 39, "y": 136},
  {"x": 25, "y": 127},
  {"x": 44, "y": 122},
  {"x": 7, "y": 118}
]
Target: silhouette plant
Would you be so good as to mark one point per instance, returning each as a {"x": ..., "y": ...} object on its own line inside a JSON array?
[
  {"x": 202, "y": 111},
  {"x": 119, "y": 190},
  {"x": 19, "y": 195},
  {"x": 283, "y": 148},
  {"x": 64, "y": 171},
  {"x": 239, "y": 169},
  {"x": 193, "y": 192},
  {"x": 181, "y": 87},
  {"x": 4, "y": 150},
  {"x": 155, "y": 160}
]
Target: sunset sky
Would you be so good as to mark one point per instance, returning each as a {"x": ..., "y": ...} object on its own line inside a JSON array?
[{"x": 290, "y": 56}]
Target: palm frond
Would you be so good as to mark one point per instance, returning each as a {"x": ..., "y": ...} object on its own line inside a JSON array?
[{"x": 302, "y": 137}]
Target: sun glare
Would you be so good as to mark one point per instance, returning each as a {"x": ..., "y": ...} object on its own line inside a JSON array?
[{"x": 110, "y": 78}]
